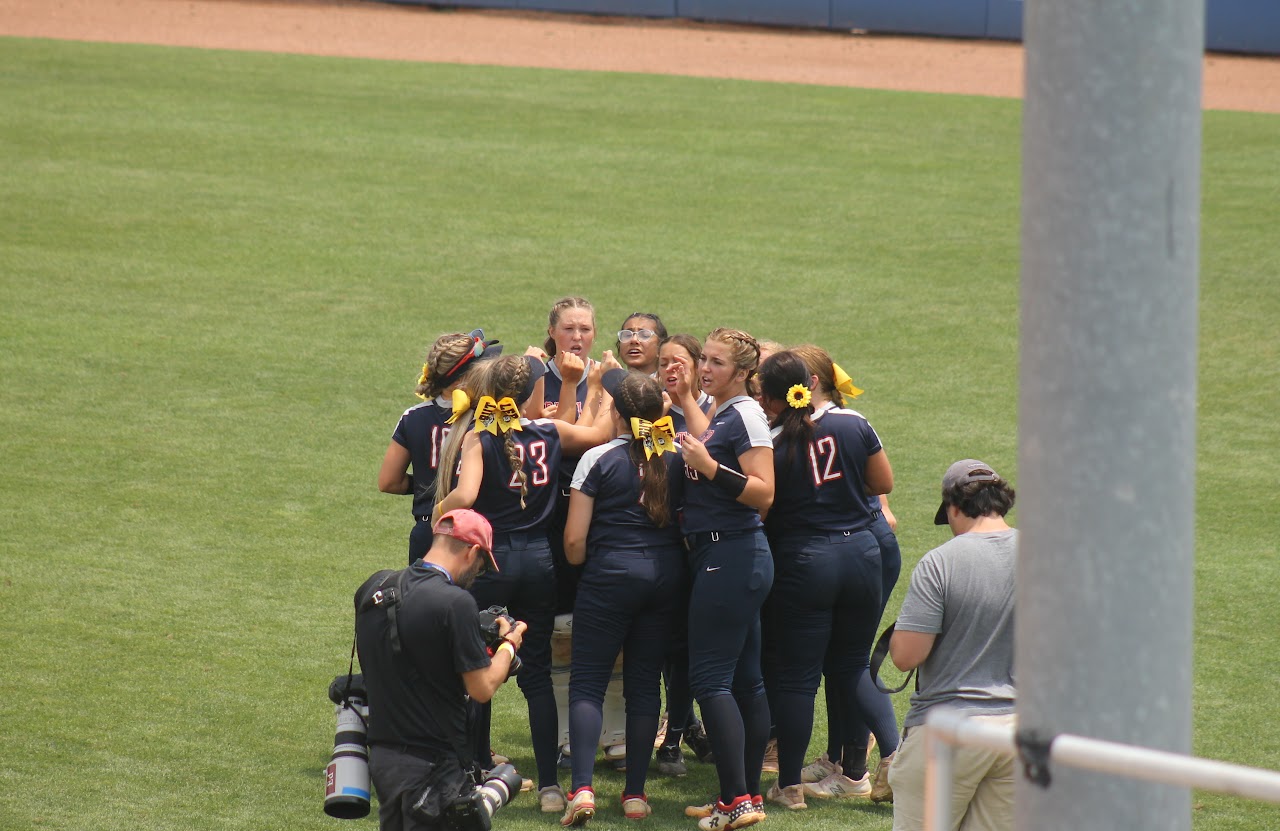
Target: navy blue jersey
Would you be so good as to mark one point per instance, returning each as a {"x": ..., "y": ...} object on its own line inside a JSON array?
[
  {"x": 705, "y": 403},
  {"x": 538, "y": 447},
  {"x": 552, "y": 383},
  {"x": 618, "y": 518},
  {"x": 821, "y": 485},
  {"x": 738, "y": 425},
  {"x": 422, "y": 432}
]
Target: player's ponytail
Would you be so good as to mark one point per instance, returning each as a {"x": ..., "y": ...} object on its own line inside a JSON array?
[
  {"x": 451, "y": 451},
  {"x": 784, "y": 378},
  {"x": 507, "y": 377},
  {"x": 640, "y": 396}
]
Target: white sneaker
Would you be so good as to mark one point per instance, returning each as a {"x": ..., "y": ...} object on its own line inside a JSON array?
[
  {"x": 839, "y": 786},
  {"x": 582, "y": 807},
  {"x": 551, "y": 799},
  {"x": 636, "y": 807},
  {"x": 791, "y": 797},
  {"x": 740, "y": 814},
  {"x": 819, "y": 769}
]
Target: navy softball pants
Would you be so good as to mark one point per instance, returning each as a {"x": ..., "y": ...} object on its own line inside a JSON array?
[
  {"x": 627, "y": 600},
  {"x": 526, "y": 585},
  {"x": 731, "y": 574}
]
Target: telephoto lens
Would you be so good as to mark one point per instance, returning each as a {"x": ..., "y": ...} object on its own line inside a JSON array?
[
  {"x": 475, "y": 812},
  {"x": 346, "y": 791}
]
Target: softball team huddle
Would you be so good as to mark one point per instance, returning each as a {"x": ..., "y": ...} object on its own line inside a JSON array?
[{"x": 672, "y": 498}]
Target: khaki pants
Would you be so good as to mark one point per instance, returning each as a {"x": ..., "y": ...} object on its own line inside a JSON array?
[{"x": 981, "y": 789}]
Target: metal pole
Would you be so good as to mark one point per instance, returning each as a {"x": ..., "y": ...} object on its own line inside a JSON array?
[
  {"x": 951, "y": 728},
  {"x": 1110, "y": 247}
]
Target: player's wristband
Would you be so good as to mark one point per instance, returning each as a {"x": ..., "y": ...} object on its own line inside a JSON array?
[
  {"x": 411, "y": 490},
  {"x": 729, "y": 480},
  {"x": 507, "y": 645}
]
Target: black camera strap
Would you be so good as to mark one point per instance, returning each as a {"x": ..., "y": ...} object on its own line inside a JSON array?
[
  {"x": 877, "y": 659},
  {"x": 389, "y": 599}
]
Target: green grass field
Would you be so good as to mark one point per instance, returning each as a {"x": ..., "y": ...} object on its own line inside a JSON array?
[{"x": 218, "y": 276}]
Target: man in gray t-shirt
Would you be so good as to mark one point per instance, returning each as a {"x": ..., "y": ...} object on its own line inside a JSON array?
[{"x": 956, "y": 627}]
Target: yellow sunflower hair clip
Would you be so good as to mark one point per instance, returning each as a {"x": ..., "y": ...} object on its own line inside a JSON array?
[{"x": 799, "y": 396}]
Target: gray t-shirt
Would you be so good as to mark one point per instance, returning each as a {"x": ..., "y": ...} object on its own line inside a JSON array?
[{"x": 962, "y": 591}]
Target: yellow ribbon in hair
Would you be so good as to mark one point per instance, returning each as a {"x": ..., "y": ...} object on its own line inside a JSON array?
[
  {"x": 422, "y": 379},
  {"x": 461, "y": 403},
  {"x": 844, "y": 383},
  {"x": 508, "y": 415},
  {"x": 497, "y": 416},
  {"x": 659, "y": 436},
  {"x": 487, "y": 415}
]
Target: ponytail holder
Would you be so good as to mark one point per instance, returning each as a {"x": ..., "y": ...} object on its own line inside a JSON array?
[
  {"x": 658, "y": 436},
  {"x": 461, "y": 403},
  {"x": 497, "y": 416},
  {"x": 798, "y": 397},
  {"x": 844, "y": 383},
  {"x": 422, "y": 379}
]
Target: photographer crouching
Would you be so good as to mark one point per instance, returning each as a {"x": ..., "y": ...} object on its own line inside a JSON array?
[{"x": 422, "y": 653}]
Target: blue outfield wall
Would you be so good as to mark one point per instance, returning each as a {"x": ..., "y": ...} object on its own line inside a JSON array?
[{"x": 1230, "y": 26}]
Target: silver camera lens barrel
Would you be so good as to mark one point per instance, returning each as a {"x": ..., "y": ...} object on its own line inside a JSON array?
[{"x": 346, "y": 794}]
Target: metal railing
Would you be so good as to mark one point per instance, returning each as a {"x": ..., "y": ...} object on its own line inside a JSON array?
[{"x": 948, "y": 729}]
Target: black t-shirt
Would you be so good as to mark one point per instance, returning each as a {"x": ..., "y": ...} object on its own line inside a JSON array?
[{"x": 418, "y": 698}]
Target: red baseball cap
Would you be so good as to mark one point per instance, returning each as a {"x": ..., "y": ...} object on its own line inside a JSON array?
[{"x": 470, "y": 527}]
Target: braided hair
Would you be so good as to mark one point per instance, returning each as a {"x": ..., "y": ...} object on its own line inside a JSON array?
[
  {"x": 499, "y": 378},
  {"x": 443, "y": 356},
  {"x": 744, "y": 351},
  {"x": 640, "y": 396}
]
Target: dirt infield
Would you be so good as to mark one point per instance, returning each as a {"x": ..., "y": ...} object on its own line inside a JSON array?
[{"x": 373, "y": 30}]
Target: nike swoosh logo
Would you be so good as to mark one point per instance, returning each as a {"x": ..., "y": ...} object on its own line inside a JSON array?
[{"x": 717, "y": 568}]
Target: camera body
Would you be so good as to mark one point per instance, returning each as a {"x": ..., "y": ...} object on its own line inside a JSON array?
[
  {"x": 489, "y": 632},
  {"x": 474, "y": 811}
]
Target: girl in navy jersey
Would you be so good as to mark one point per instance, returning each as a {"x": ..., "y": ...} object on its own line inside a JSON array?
[
  {"x": 420, "y": 434},
  {"x": 827, "y": 585},
  {"x": 638, "y": 341},
  {"x": 622, "y": 523},
  {"x": 571, "y": 332},
  {"x": 678, "y": 359},
  {"x": 728, "y": 481},
  {"x": 507, "y": 469},
  {"x": 849, "y": 736}
]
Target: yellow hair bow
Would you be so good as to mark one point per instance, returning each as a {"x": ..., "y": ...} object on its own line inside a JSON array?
[
  {"x": 844, "y": 383},
  {"x": 422, "y": 379},
  {"x": 508, "y": 415},
  {"x": 461, "y": 403},
  {"x": 497, "y": 416},
  {"x": 659, "y": 436}
]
